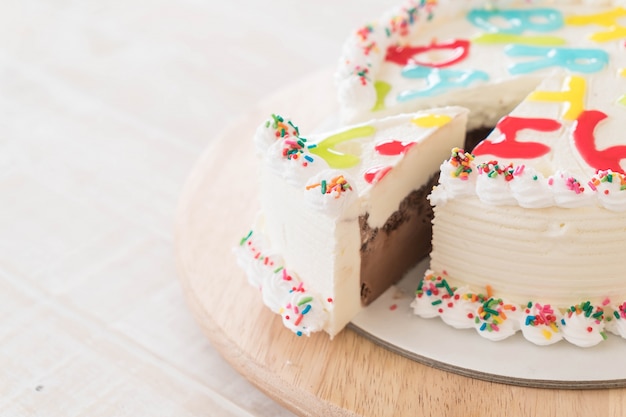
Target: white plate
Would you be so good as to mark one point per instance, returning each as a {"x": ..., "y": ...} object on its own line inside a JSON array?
[{"x": 389, "y": 321}]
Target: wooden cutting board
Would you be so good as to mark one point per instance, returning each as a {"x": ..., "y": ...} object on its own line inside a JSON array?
[{"x": 350, "y": 375}]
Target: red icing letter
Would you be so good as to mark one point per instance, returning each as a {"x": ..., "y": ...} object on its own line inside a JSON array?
[
  {"x": 585, "y": 142},
  {"x": 393, "y": 147},
  {"x": 403, "y": 55},
  {"x": 375, "y": 174},
  {"x": 509, "y": 147}
]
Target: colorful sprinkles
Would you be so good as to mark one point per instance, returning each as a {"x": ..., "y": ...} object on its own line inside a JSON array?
[
  {"x": 493, "y": 169},
  {"x": 295, "y": 147},
  {"x": 610, "y": 177},
  {"x": 489, "y": 313},
  {"x": 463, "y": 164},
  {"x": 462, "y": 161},
  {"x": 338, "y": 185},
  {"x": 395, "y": 29},
  {"x": 363, "y": 74},
  {"x": 294, "y": 314}
]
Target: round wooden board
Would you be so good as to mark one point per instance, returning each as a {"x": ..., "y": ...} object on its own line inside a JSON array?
[{"x": 350, "y": 375}]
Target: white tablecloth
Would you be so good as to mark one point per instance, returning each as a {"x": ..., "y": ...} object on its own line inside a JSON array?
[{"x": 105, "y": 107}]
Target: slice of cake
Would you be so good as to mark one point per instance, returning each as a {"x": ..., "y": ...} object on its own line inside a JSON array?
[{"x": 343, "y": 214}]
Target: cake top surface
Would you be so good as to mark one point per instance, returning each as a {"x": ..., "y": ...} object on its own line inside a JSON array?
[
  {"x": 426, "y": 53},
  {"x": 562, "y": 146}
]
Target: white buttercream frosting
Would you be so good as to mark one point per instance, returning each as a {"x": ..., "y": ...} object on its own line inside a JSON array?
[
  {"x": 610, "y": 189},
  {"x": 540, "y": 324},
  {"x": 258, "y": 264},
  {"x": 277, "y": 287},
  {"x": 525, "y": 186},
  {"x": 282, "y": 291},
  {"x": 582, "y": 329},
  {"x": 332, "y": 193},
  {"x": 583, "y": 325},
  {"x": 531, "y": 190},
  {"x": 304, "y": 314},
  {"x": 617, "y": 323},
  {"x": 496, "y": 319}
]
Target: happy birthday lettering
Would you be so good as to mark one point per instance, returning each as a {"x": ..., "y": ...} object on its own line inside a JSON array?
[
  {"x": 439, "y": 81},
  {"x": 517, "y": 21}
]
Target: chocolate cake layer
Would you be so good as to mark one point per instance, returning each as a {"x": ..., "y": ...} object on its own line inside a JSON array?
[{"x": 389, "y": 252}]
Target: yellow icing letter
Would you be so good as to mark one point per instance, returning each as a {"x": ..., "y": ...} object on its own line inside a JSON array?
[
  {"x": 431, "y": 120},
  {"x": 573, "y": 94},
  {"x": 606, "y": 19}
]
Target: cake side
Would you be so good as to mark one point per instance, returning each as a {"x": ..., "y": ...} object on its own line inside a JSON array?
[
  {"x": 557, "y": 270},
  {"x": 537, "y": 216}
]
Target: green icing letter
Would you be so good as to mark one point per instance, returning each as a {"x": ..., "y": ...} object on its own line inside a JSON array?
[
  {"x": 334, "y": 158},
  {"x": 491, "y": 38},
  {"x": 382, "y": 89}
]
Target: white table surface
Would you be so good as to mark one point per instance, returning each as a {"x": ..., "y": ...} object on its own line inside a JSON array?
[{"x": 105, "y": 107}]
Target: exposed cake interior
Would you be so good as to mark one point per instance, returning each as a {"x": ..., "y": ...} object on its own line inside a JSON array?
[{"x": 389, "y": 252}]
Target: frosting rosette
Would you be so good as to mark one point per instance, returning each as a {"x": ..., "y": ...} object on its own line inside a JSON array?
[
  {"x": 356, "y": 91},
  {"x": 252, "y": 256},
  {"x": 277, "y": 288},
  {"x": 430, "y": 294},
  {"x": 435, "y": 297},
  {"x": 458, "y": 311},
  {"x": 531, "y": 189},
  {"x": 303, "y": 313},
  {"x": 610, "y": 188},
  {"x": 457, "y": 178},
  {"x": 492, "y": 184},
  {"x": 583, "y": 325},
  {"x": 496, "y": 320},
  {"x": 539, "y": 324},
  {"x": 331, "y": 192},
  {"x": 569, "y": 192},
  {"x": 280, "y": 144},
  {"x": 616, "y": 323}
]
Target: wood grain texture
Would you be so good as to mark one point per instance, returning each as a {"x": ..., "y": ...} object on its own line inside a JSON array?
[{"x": 348, "y": 376}]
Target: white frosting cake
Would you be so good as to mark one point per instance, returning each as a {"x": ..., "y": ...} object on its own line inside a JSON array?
[
  {"x": 315, "y": 192},
  {"x": 528, "y": 228}
]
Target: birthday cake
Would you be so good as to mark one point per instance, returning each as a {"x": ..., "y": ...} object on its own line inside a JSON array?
[{"x": 527, "y": 229}]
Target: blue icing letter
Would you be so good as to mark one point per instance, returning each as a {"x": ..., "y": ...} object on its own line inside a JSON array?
[
  {"x": 439, "y": 81},
  {"x": 581, "y": 60},
  {"x": 518, "y": 21}
]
